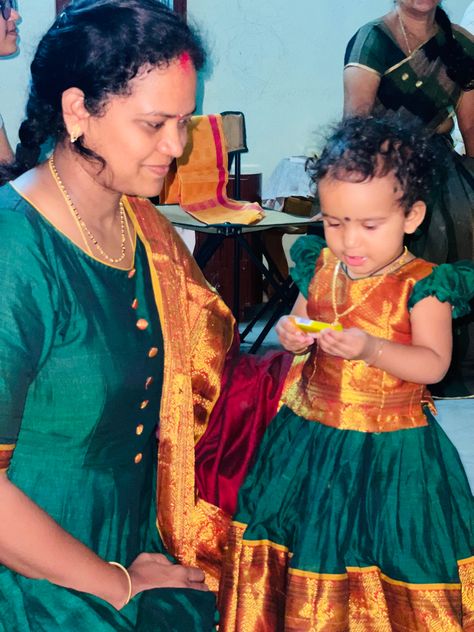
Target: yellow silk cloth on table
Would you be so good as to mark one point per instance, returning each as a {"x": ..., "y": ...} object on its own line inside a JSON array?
[
  {"x": 199, "y": 182},
  {"x": 360, "y": 600},
  {"x": 197, "y": 330},
  {"x": 349, "y": 394}
]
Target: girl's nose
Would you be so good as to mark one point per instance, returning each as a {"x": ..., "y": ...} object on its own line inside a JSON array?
[{"x": 350, "y": 236}]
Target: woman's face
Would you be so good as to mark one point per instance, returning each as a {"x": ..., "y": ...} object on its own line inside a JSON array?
[
  {"x": 418, "y": 6},
  {"x": 138, "y": 135},
  {"x": 8, "y": 34}
]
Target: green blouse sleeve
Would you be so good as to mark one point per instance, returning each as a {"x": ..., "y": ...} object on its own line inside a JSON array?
[
  {"x": 305, "y": 252},
  {"x": 26, "y": 316},
  {"x": 369, "y": 47},
  {"x": 450, "y": 283}
]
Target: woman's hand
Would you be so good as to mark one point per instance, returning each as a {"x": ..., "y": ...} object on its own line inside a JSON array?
[
  {"x": 154, "y": 570},
  {"x": 351, "y": 343},
  {"x": 291, "y": 337}
]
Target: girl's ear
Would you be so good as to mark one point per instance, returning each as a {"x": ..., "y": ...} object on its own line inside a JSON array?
[{"x": 414, "y": 217}]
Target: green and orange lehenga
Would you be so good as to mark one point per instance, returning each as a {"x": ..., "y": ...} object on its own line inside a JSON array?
[{"x": 357, "y": 514}]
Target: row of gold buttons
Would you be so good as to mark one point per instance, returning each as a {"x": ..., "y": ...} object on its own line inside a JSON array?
[{"x": 142, "y": 324}]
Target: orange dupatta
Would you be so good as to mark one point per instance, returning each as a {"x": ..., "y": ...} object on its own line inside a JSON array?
[{"x": 197, "y": 331}]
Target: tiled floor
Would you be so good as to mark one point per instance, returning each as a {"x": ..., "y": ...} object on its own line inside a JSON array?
[{"x": 456, "y": 417}]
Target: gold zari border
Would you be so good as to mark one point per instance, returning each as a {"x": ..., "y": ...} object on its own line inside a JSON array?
[{"x": 259, "y": 592}]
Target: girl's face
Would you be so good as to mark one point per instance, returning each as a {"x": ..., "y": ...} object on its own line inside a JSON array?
[
  {"x": 8, "y": 34},
  {"x": 364, "y": 224},
  {"x": 138, "y": 135}
]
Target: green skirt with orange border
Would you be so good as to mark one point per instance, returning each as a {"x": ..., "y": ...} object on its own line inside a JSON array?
[{"x": 344, "y": 530}]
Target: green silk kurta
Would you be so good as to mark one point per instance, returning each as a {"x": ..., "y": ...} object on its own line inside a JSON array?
[{"x": 81, "y": 366}]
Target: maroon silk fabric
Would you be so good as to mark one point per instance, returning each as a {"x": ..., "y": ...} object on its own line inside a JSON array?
[{"x": 251, "y": 388}]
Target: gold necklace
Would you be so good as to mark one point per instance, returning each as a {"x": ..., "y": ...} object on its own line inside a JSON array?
[
  {"x": 399, "y": 261},
  {"x": 83, "y": 226}
]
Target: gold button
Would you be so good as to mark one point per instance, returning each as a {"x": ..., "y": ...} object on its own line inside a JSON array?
[
  {"x": 148, "y": 383},
  {"x": 138, "y": 457},
  {"x": 419, "y": 83},
  {"x": 142, "y": 323},
  {"x": 153, "y": 352},
  {"x": 134, "y": 303},
  {"x": 131, "y": 273},
  {"x": 139, "y": 430},
  {"x": 405, "y": 76},
  {"x": 144, "y": 404}
]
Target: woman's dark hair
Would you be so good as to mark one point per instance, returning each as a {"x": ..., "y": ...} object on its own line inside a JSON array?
[
  {"x": 97, "y": 46},
  {"x": 362, "y": 148},
  {"x": 459, "y": 64}
]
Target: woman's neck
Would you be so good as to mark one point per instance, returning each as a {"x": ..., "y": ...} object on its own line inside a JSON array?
[
  {"x": 98, "y": 203},
  {"x": 419, "y": 23}
]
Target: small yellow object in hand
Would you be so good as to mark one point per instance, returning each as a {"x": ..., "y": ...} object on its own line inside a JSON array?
[{"x": 313, "y": 326}]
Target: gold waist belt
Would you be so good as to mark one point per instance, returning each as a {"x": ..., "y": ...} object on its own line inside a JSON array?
[{"x": 366, "y": 412}]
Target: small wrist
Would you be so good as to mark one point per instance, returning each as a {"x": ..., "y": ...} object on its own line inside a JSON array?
[
  {"x": 128, "y": 579},
  {"x": 376, "y": 352}
]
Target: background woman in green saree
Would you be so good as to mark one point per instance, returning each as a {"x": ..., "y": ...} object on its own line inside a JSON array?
[{"x": 413, "y": 63}]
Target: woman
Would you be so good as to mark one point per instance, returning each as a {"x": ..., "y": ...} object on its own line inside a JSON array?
[
  {"x": 8, "y": 45},
  {"x": 104, "y": 332},
  {"x": 414, "y": 63}
]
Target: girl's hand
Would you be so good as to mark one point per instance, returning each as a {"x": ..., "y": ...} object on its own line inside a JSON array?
[
  {"x": 291, "y": 337},
  {"x": 351, "y": 344},
  {"x": 154, "y": 570}
]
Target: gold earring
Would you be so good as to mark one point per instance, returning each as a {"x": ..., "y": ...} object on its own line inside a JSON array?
[{"x": 75, "y": 133}]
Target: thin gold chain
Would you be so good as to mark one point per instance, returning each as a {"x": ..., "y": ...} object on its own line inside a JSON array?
[
  {"x": 83, "y": 226},
  {"x": 404, "y": 33},
  {"x": 399, "y": 261}
]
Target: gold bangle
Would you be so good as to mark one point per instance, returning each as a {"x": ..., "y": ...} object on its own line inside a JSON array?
[
  {"x": 129, "y": 580},
  {"x": 376, "y": 354}
]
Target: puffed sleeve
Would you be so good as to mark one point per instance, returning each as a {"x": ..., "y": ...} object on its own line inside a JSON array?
[
  {"x": 26, "y": 317},
  {"x": 305, "y": 252},
  {"x": 368, "y": 48},
  {"x": 450, "y": 283}
]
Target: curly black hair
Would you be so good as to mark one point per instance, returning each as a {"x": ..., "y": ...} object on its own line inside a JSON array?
[
  {"x": 361, "y": 148},
  {"x": 98, "y": 46}
]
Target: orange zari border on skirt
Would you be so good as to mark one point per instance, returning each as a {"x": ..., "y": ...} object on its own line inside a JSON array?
[{"x": 259, "y": 592}]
